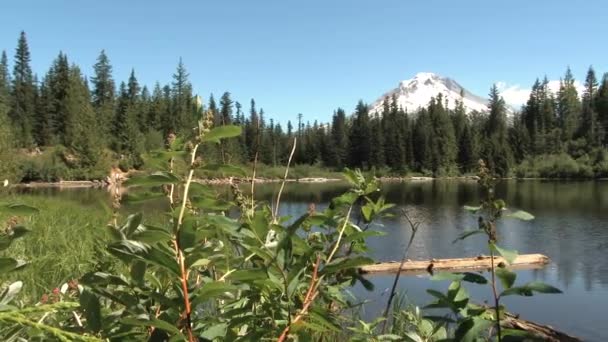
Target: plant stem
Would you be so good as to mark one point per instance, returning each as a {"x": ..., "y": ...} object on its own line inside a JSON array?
[
  {"x": 179, "y": 254},
  {"x": 495, "y": 293},
  {"x": 293, "y": 150},
  {"x": 414, "y": 227},
  {"x": 335, "y": 249}
]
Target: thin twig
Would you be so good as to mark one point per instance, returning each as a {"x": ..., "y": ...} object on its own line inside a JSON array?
[
  {"x": 414, "y": 227},
  {"x": 178, "y": 251},
  {"x": 496, "y": 297},
  {"x": 311, "y": 294},
  {"x": 276, "y": 209},
  {"x": 335, "y": 249}
]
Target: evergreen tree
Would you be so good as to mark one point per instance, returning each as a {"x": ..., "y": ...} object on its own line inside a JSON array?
[
  {"x": 443, "y": 142},
  {"x": 589, "y": 123},
  {"x": 422, "y": 137},
  {"x": 53, "y": 109},
  {"x": 252, "y": 136},
  {"x": 602, "y": 109},
  {"x": 23, "y": 94},
  {"x": 226, "y": 109},
  {"x": 5, "y": 87},
  {"x": 81, "y": 135},
  {"x": 377, "y": 156},
  {"x": 182, "y": 118},
  {"x": 339, "y": 139},
  {"x": 360, "y": 137},
  {"x": 103, "y": 95},
  {"x": 496, "y": 149},
  {"x": 568, "y": 107},
  {"x": 127, "y": 138}
]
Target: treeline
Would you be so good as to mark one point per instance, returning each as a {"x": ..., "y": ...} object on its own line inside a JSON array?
[{"x": 81, "y": 127}]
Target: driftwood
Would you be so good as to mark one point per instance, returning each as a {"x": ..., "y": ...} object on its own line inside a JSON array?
[
  {"x": 540, "y": 331},
  {"x": 524, "y": 261}
]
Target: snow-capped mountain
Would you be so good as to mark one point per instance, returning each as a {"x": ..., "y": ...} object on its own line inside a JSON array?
[{"x": 417, "y": 92}]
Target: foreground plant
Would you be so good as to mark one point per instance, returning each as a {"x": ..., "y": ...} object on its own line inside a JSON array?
[
  {"x": 218, "y": 273},
  {"x": 474, "y": 321}
]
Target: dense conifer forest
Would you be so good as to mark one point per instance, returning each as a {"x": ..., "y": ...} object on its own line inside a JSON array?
[{"x": 76, "y": 123}]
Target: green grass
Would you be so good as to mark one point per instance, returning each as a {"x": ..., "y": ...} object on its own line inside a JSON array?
[{"x": 61, "y": 244}]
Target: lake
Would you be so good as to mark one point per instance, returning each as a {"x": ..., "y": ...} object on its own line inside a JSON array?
[{"x": 571, "y": 227}]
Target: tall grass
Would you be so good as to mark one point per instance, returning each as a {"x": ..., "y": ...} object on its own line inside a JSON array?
[{"x": 61, "y": 244}]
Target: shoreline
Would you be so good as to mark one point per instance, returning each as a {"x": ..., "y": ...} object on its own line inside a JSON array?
[{"x": 309, "y": 180}]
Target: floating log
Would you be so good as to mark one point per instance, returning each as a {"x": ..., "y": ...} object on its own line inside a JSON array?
[
  {"x": 540, "y": 331},
  {"x": 524, "y": 261}
]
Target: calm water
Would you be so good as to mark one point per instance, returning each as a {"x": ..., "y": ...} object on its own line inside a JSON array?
[{"x": 571, "y": 227}]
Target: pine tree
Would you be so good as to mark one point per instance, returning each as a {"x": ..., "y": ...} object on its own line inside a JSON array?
[
  {"x": 252, "y": 135},
  {"x": 339, "y": 139},
  {"x": 421, "y": 138},
  {"x": 82, "y": 135},
  {"x": 443, "y": 142},
  {"x": 568, "y": 107},
  {"x": 377, "y": 156},
  {"x": 157, "y": 107},
  {"x": 602, "y": 108},
  {"x": 127, "y": 138},
  {"x": 496, "y": 150},
  {"x": 226, "y": 109},
  {"x": 53, "y": 109},
  {"x": 360, "y": 137},
  {"x": 182, "y": 118},
  {"x": 589, "y": 123},
  {"x": 5, "y": 86},
  {"x": 23, "y": 94},
  {"x": 103, "y": 95}
]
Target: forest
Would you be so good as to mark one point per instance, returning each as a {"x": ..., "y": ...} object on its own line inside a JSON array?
[{"x": 65, "y": 125}]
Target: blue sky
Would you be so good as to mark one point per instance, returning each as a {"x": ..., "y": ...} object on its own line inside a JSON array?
[{"x": 313, "y": 56}]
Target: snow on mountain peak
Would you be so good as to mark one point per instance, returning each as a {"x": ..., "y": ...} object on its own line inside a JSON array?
[{"x": 417, "y": 92}]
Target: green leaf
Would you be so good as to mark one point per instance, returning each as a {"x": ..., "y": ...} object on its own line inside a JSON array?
[
  {"x": 392, "y": 337},
  {"x": 141, "y": 197},
  {"x": 520, "y": 215},
  {"x": 507, "y": 278},
  {"x": 529, "y": 289},
  {"x": 156, "y": 323},
  {"x": 211, "y": 290},
  {"x": 468, "y": 233},
  {"x": 248, "y": 275},
  {"x": 154, "y": 179},
  {"x": 210, "y": 203},
  {"x": 18, "y": 209},
  {"x": 471, "y": 328},
  {"x": 10, "y": 292},
  {"x": 367, "y": 211},
  {"x": 151, "y": 235},
  {"x": 222, "y": 132},
  {"x": 10, "y": 264},
  {"x": 138, "y": 272},
  {"x": 471, "y": 208},
  {"x": 346, "y": 263},
  {"x": 200, "y": 263},
  {"x": 133, "y": 222},
  {"x": 89, "y": 302},
  {"x": 19, "y": 231},
  {"x": 466, "y": 276},
  {"x": 215, "y": 331},
  {"x": 507, "y": 254}
]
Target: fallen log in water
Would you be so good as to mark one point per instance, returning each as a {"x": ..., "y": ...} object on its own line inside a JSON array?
[
  {"x": 540, "y": 331},
  {"x": 524, "y": 261}
]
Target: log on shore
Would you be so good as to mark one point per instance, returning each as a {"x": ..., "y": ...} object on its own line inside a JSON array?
[{"x": 523, "y": 261}]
